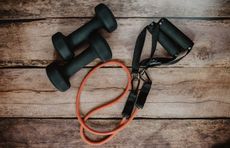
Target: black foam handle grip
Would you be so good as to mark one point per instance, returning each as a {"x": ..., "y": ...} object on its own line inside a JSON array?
[
  {"x": 175, "y": 34},
  {"x": 169, "y": 45}
]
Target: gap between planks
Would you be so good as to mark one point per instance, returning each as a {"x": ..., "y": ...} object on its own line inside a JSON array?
[{"x": 12, "y": 9}]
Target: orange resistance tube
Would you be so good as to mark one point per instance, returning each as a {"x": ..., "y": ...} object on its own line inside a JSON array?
[{"x": 82, "y": 120}]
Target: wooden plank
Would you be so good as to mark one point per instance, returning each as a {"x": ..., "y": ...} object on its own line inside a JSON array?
[
  {"x": 23, "y": 9},
  {"x": 145, "y": 133},
  {"x": 176, "y": 93},
  {"x": 29, "y": 43}
]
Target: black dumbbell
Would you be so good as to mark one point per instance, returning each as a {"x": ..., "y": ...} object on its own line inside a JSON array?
[
  {"x": 59, "y": 75},
  {"x": 65, "y": 45}
]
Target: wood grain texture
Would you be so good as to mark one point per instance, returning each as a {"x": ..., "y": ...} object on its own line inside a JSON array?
[
  {"x": 176, "y": 93},
  {"x": 15, "y": 9},
  {"x": 29, "y": 43},
  {"x": 144, "y": 133},
  {"x": 196, "y": 87}
]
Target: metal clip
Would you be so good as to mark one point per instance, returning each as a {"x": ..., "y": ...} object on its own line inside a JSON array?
[
  {"x": 144, "y": 75},
  {"x": 135, "y": 81}
]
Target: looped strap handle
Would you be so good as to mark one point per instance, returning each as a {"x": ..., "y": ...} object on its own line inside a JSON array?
[{"x": 175, "y": 42}]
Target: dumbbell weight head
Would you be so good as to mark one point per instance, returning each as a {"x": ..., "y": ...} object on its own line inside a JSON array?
[
  {"x": 105, "y": 15},
  {"x": 55, "y": 75},
  {"x": 59, "y": 75},
  {"x": 61, "y": 46},
  {"x": 65, "y": 45}
]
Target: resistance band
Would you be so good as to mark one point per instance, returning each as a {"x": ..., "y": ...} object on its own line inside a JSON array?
[
  {"x": 175, "y": 42},
  {"x": 82, "y": 120}
]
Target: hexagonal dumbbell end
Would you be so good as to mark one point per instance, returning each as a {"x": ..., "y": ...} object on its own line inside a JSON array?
[
  {"x": 105, "y": 15},
  {"x": 61, "y": 46},
  {"x": 57, "y": 77}
]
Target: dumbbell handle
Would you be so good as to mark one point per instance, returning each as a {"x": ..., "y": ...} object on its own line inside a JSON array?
[
  {"x": 79, "y": 35},
  {"x": 79, "y": 62}
]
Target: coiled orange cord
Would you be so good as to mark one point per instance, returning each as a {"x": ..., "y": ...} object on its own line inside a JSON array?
[{"x": 82, "y": 120}]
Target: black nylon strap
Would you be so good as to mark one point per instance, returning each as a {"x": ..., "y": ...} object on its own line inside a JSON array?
[
  {"x": 154, "y": 29},
  {"x": 143, "y": 94},
  {"x": 133, "y": 96},
  {"x": 138, "y": 50},
  {"x": 127, "y": 111},
  {"x": 161, "y": 61}
]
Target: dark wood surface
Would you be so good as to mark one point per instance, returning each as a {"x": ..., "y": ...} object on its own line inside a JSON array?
[
  {"x": 176, "y": 93},
  {"x": 140, "y": 133},
  {"x": 17, "y": 9},
  {"x": 188, "y": 106},
  {"x": 19, "y": 41}
]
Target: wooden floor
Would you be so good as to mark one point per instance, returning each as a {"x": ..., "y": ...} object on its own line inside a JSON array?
[{"x": 188, "y": 106}]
